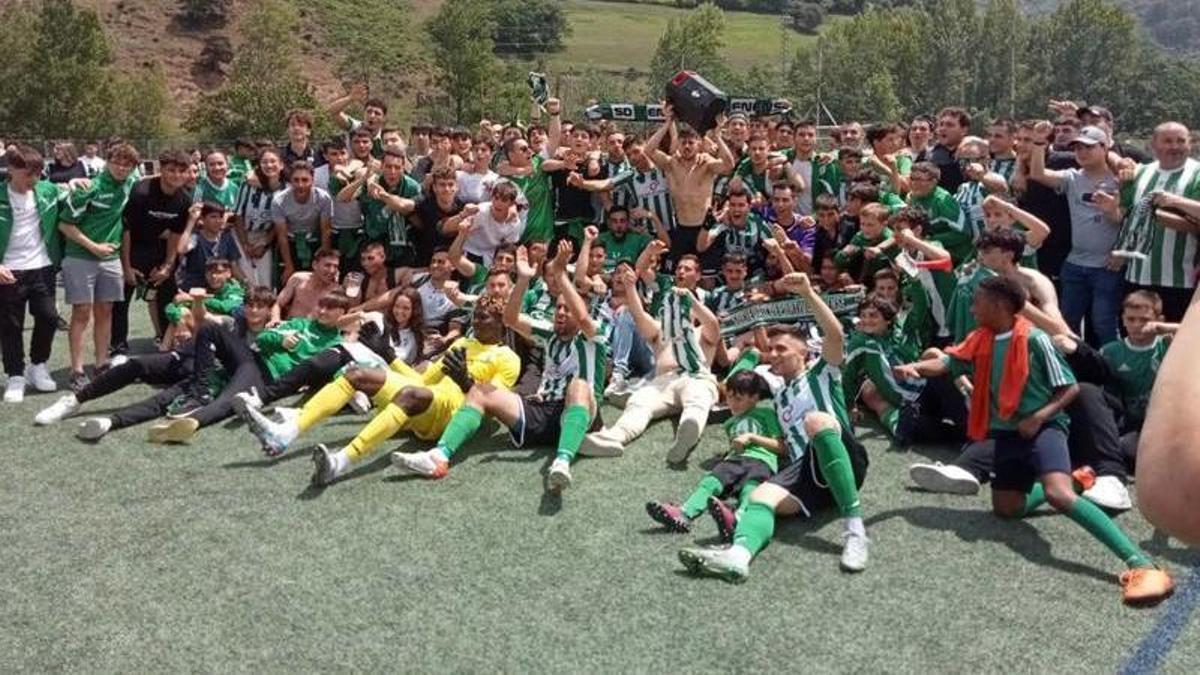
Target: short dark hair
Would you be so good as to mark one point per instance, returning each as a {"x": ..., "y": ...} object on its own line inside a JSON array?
[
  {"x": 300, "y": 115},
  {"x": 323, "y": 253},
  {"x": 505, "y": 189},
  {"x": 373, "y": 245},
  {"x": 789, "y": 331},
  {"x": 177, "y": 158},
  {"x": 1004, "y": 239},
  {"x": 213, "y": 263},
  {"x": 376, "y": 103},
  {"x": 1006, "y": 289},
  {"x": 211, "y": 207},
  {"x": 260, "y": 296},
  {"x": 748, "y": 383},
  {"x": 880, "y": 304},
  {"x": 300, "y": 165},
  {"x": 868, "y": 194},
  {"x": 336, "y": 143},
  {"x": 825, "y": 202},
  {"x": 878, "y": 132},
  {"x": 362, "y": 132},
  {"x": 443, "y": 173},
  {"x": 960, "y": 115},
  {"x": 735, "y": 259},
  {"x": 336, "y": 299},
  {"x": 848, "y": 152},
  {"x": 927, "y": 168},
  {"x": 25, "y": 158},
  {"x": 912, "y": 215},
  {"x": 394, "y": 153}
]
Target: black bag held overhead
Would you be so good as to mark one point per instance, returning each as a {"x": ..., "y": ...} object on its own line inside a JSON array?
[{"x": 696, "y": 100}]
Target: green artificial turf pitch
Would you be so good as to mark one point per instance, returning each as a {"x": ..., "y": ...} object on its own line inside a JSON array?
[{"x": 124, "y": 556}]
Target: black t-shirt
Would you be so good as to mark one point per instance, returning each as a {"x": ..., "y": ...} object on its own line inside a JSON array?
[
  {"x": 573, "y": 202},
  {"x": 428, "y": 235},
  {"x": 57, "y": 173},
  {"x": 1047, "y": 204},
  {"x": 149, "y": 215},
  {"x": 309, "y": 155},
  {"x": 952, "y": 175}
]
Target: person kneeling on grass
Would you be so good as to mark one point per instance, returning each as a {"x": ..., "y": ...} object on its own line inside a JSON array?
[
  {"x": 828, "y": 464},
  {"x": 406, "y": 400},
  {"x": 565, "y": 405},
  {"x": 755, "y": 435},
  {"x": 1022, "y": 386},
  {"x": 250, "y": 365}
]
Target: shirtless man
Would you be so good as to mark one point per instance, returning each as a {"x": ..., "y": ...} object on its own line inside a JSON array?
[
  {"x": 690, "y": 176},
  {"x": 299, "y": 297},
  {"x": 379, "y": 279}
]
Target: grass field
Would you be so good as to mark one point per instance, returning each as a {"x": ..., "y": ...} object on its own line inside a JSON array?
[
  {"x": 619, "y": 36},
  {"x": 127, "y": 557}
]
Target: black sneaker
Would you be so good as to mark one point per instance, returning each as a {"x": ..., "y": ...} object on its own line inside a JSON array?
[
  {"x": 78, "y": 382},
  {"x": 186, "y": 404},
  {"x": 906, "y": 425}
]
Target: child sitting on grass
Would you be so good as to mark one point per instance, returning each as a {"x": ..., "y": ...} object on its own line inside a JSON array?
[
  {"x": 221, "y": 294},
  {"x": 754, "y": 435}
]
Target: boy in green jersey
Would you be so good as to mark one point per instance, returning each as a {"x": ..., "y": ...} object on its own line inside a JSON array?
[
  {"x": 947, "y": 223},
  {"x": 870, "y": 248},
  {"x": 754, "y": 438},
  {"x": 1022, "y": 388},
  {"x": 92, "y": 273},
  {"x": 828, "y": 464}
]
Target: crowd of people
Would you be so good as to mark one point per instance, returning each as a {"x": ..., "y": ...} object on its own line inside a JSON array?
[{"x": 954, "y": 289}]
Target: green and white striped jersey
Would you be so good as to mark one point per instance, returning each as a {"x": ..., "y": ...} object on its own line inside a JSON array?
[
  {"x": 623, "y": 195},
  {"x": 567, "y": 359},
  {"x": 818, "y": 389},
  {"x": 679, "y": 333},
  {"x": 872, "y": 357},
  {"x": 970, "y": 198},
  {"x": 654, "y": 195},
  {"x": 1172, "y": 257},
  {"x": 747, "y": 240},
  {"x": 1005, "y": 166},
  {"x": 723, "y": 299}
]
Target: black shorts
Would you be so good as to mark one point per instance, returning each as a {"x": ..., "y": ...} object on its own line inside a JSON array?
[
  {"x": 807, "y": 486},
  {"x": 540, "y": 423},
  {"x": 734, "y": 473},
  {"x": 1021, "y": 461}
]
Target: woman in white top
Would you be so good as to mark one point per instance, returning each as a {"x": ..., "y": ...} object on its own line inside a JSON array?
[
  {"x": 476, "y": 180},
  {"x": 252, "y": 220},
  {"x": 404, "y": 326}
]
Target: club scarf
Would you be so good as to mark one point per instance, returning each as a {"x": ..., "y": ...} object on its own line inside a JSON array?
[{"x": 977, "y": 349}]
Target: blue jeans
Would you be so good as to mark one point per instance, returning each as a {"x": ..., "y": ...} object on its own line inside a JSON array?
[
  {"x": 1094, "y": 293},
  {"x": 631, "y": 355}
]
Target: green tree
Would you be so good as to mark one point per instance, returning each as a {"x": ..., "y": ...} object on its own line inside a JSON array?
[
  {"x": 462, "y": 44},
  {"x": 806, "y": 16},
  {"x": 694, "y": 43},
  {"x": 1003, "y": 33},
  {"x": 265, "y": 81},
  {"x": 529, "y": 27}
]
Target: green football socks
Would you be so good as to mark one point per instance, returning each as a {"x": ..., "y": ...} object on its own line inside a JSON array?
[
  {"x": 839, "y": 475},
  {"x": 575, "y": 421},
  {"x": 461, "y": 428},
  {"x": 755, "y": 528},
  {"x": 1093, "y": 519},
  {"x": 696, "y": 502}
]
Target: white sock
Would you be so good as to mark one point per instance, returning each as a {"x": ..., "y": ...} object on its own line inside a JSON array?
[
  {"x": 740, "y": 554},
  {"x": 341, "y": 460},
  {"x": 856, "y": 526}
]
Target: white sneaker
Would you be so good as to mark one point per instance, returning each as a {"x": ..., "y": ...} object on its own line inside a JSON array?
[
  {"x": 14, "y": 391},
  {"x": 93, "y": 429},
  {"x": 559, "y": 477},
  {"x": 360, "y": 403},
  {"x": 247, "y": 399},
  {"x": 617, "y": 386},
  {"x": 118, "y": 360},
  {"x": 275, "y": 437},
  {"x": 944, "y": 478},
  {"x": 39, "y": 376},
  {"x": 854, "y": 551},
  {"x": 61, "y": 408},
  {"x": 1110, "y": 493},
  {"x": 686, "y": 437},
  {"x": 599, "y": 444},
  {"x": 729, "y": 564},
  {"x": 429, "y": 463}
]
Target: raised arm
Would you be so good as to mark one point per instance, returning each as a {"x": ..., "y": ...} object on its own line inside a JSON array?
[
  {"x": 710, "y": 325},
  {"x": 337, "y": 107},
  {"x": 1036, "y": 229},
  {"x": 833, "y": 337},
  {"x": 646, "y": 326},
  {"x": 513, "y": 318},
  {"x": 724, "y": 154},
  {"x": 654, "y": 143},
  {"x": 1037, "y": 167},
  {"x": 554, "y": 126},
  {"x": 464, "y": 266},
  {"x": 575, "y": 304}
]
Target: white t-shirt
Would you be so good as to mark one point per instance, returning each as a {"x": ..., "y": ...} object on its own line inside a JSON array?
[
  {"x": 474, "y": 188},
  {"x": 490, "y": 233},
  {"x": 26, "y": 248}
]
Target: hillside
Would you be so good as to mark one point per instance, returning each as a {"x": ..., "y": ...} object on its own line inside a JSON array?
[{"x": 616, "y": 38}]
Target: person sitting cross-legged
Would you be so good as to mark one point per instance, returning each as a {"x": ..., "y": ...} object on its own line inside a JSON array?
[{"x": 565, "y": 406}]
